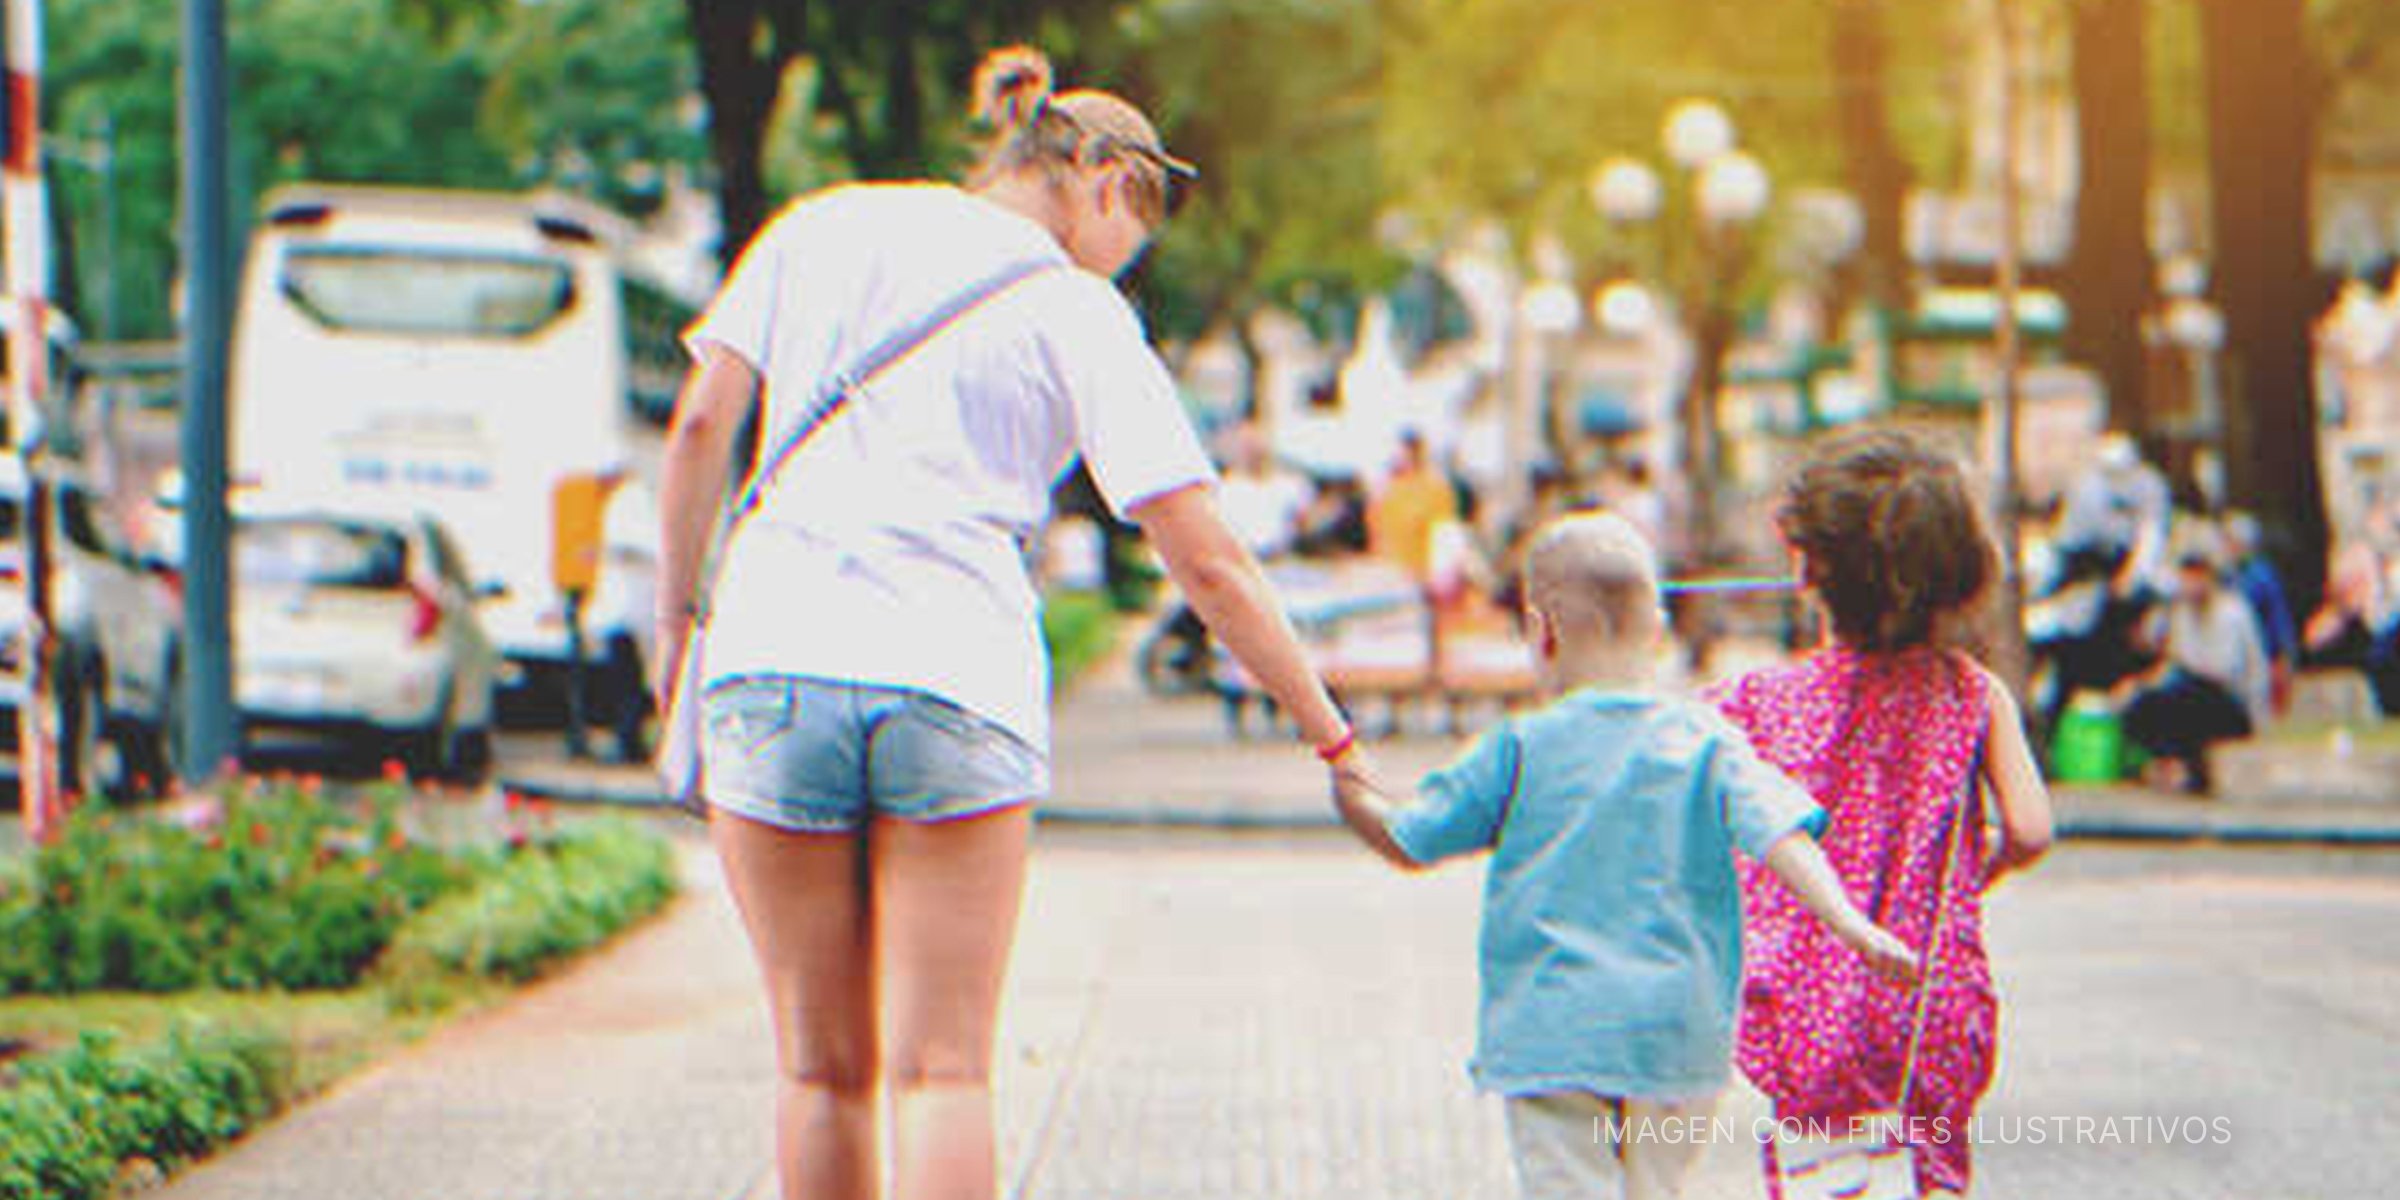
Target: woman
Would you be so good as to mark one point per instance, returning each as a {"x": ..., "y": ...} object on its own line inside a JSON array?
[{"x": 875, "y": 690}]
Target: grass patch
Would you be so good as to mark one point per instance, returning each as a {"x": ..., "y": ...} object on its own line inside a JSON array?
[{"x": 1079, "y": 629}]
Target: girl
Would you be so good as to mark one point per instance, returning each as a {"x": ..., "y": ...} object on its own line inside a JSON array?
[{"x": 1885, "y": 725}]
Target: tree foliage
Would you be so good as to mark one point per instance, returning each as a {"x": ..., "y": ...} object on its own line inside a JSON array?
[
  {"x": 461, "y": 93},
  {"x": 1277, "y": 102}
]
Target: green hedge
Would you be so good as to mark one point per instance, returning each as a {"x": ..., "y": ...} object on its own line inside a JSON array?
[
  {"x": 71, "y": 1118},
  {"x": 1078, "y": 628},
  {"x": 280, "y": 890},
  {"x": 547, "y": 901}
]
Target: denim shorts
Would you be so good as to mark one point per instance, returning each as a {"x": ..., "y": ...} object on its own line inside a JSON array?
[{"x": 821, "y": 756}]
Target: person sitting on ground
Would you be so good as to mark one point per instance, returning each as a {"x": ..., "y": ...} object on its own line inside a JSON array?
[
  {"x": 2212, "y": 683},
  {"x": 2358, "y": 626},
  {"x": 1612, "y": 932}
]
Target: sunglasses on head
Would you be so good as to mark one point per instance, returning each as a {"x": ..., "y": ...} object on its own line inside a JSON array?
[{"x": 1168, "y": 180}]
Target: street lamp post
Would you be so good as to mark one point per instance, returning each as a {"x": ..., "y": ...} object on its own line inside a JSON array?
[
  {"x": 1550, "y": 312},
  {"x": 1733, "y": 193},
  {"x": 1728, "y": 190}
]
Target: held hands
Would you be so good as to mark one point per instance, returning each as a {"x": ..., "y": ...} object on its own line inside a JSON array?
[{"x": 1366, "y": 806}]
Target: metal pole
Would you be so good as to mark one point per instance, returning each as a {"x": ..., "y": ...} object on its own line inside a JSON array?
[
  {"x": 108, "y": 227},
  {"x": 207, "y": 627},
  {"x": 2010, "y": 650},
  {"x": 28, "y": 244},
  {"x": 578, "y": 746}
]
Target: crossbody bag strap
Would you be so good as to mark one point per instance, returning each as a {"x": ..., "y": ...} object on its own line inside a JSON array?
[
  {"x": 839, "y": 388},
  {"x": 1948, "y": 876}
]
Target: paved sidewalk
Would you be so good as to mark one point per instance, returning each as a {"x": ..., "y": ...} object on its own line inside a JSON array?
[
  {"x": 1205, "y": 1016},
  {"x": 634, "y": 1074}
]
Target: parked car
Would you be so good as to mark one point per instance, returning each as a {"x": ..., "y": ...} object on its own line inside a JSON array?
[
  {"x": 363, "y": 628},
  {"x": 118, "y": 616}
]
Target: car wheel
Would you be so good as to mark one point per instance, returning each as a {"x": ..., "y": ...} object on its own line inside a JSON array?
[
  {"x": 425, "y": 752},
  {"x": 82, "y": 709},
  {"x": 153, "y": 748},
  {"x": 470, "y": 758}
]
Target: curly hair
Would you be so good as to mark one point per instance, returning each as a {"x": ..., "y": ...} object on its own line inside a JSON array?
[{"x": 1892, "y": 538}]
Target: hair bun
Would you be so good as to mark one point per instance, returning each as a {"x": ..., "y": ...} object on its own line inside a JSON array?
[{"x": 1010, "y": 86}]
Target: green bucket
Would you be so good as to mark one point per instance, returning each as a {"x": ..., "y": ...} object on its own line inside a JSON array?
[{"x": 2089, "y": 746}]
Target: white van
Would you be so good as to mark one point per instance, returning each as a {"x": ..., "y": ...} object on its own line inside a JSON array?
[{"x": 458, "y": 355}]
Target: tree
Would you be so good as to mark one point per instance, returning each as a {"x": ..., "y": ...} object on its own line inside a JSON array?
[
  {"x": 2263, "y": 103},
  {"x": 887, "y": 74},
  {"x": 2108, "y": 275},
  {"x": 1276, "y": 102},
  {"x": 593, "y": 96},
  {"x": 1860, "y": 53}
]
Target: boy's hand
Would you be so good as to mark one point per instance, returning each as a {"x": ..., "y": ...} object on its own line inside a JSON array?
[
  {"x": 1885, "y": 954},
  {"x": 1366, "y": 807}
]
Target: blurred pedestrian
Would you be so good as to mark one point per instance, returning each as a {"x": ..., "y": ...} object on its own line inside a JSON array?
[
  {"x": 623, "y": 606},
  {"x": 2115, "y": 517},
  {"x": 1895, "y": 732},
  {"x": 2255, "y": 577},
  {"x": 874, "y": 689},
  {"x": 1261, "y": 499},
  {"x": 1333, "y": 524},
  {"x": 1612, "y": 927},
  {"x": 1413, "y": 501}
]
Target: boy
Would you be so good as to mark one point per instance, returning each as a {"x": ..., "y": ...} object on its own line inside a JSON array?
[{"x": 1611, "y": 944}]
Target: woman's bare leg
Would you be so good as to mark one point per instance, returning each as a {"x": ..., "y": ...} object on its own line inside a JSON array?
[
  {"x": 946, "y": 900},
  {"x": 803, "y": 898}
]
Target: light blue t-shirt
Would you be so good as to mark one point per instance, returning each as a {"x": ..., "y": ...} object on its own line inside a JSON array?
[{"x": 1612, "y": 920}]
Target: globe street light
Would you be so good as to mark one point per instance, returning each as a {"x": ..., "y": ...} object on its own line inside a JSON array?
[
  {"x": 1626, "y": 190},
  {"x": 1733, "y": 189},
  {"x": 1697, "y": 132}
]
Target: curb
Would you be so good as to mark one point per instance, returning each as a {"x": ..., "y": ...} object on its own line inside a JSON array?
[{"x": 2367, "y": 834}]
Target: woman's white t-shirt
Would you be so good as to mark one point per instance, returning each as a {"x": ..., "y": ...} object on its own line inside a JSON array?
[{"x": 888, "y": 550}]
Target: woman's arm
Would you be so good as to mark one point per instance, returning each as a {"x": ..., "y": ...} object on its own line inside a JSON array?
[
  {"x": 2016, "y": 783},
  {"x": 717, "y": 397},
  {"x": 1224, "y": 585}
]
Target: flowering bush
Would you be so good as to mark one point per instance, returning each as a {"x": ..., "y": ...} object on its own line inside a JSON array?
[{"x": 278, "y": 890}]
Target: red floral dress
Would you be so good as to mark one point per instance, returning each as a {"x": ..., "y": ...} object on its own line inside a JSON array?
[{"x": 1885, "y": 742}]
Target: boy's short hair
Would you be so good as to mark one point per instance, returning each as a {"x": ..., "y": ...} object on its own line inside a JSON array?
[{"x": 1592, "y": 573}]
